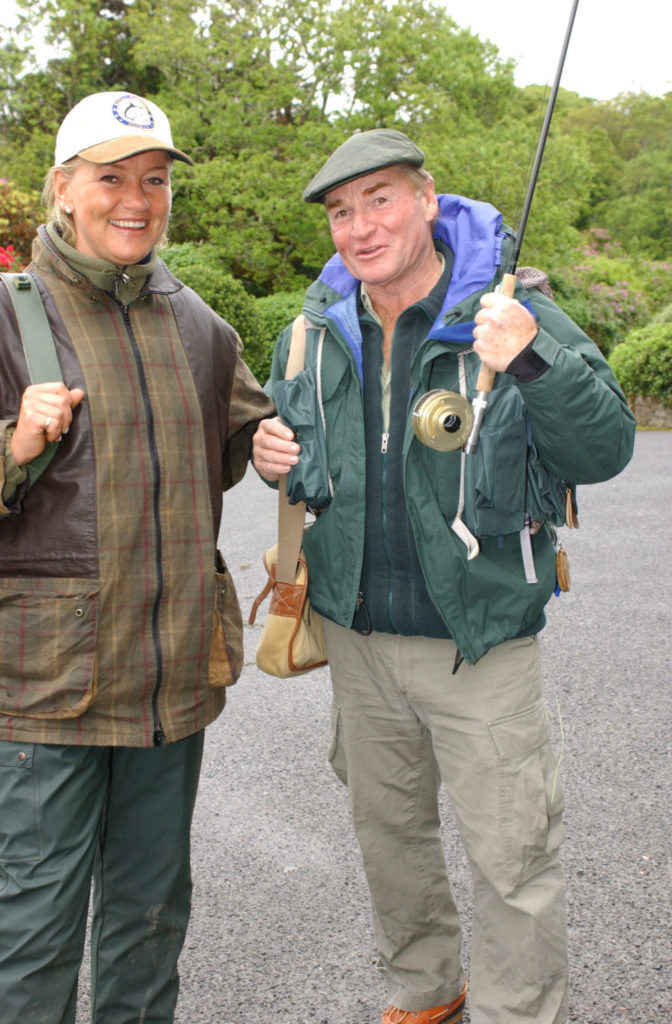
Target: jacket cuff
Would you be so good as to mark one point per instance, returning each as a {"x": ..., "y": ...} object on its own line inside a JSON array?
[
  {"x": 528, "y": 365},
  {"x": 11, "y": 475}
]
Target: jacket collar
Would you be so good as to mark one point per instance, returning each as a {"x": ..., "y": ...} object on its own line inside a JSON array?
[{"x": 45, "y": 256}]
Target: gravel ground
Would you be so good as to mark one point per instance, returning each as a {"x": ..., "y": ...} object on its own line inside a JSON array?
[{"x": 280, "y": 931}]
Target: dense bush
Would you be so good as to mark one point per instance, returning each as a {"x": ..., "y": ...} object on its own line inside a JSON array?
[
  {"x": 258, "y": 321},
  {"x": 199, "y": 267},
  {"x": 190, "y": 254},
  {"x": 10, "y": 260},
  {"x": 20, "y": 215},
  {"x": 643, "y": 363},
  {"x": 275, "y": 312},
  {"x": 606, "y": 292}
]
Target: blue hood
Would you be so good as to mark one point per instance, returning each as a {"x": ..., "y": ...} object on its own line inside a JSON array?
[{"x": 472, "y": 230}]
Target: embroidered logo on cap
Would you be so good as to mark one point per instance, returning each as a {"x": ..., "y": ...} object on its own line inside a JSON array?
[{"x": 133, "y": 112}]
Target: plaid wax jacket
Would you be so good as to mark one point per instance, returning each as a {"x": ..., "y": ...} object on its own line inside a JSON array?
[{"x": 119, "y": 623}]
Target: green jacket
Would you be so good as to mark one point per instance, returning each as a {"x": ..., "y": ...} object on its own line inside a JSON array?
[
  {"x": 120, "y": 621},
  {"x": 571, "y": 424}
]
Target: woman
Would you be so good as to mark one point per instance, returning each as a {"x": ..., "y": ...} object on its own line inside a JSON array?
[{"x": 120, "y": 626}]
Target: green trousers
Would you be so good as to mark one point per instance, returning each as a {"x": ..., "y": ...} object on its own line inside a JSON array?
[
  {"x": 403, "y": 723},
  {"x": 122, "y": 817}
]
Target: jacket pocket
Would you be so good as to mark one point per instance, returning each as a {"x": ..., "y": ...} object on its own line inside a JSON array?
[
  {"x": 317, "y": 404},
  {"x": 48, "y": 635},
  {"x": 495, "y": 473},
  {"x": 226, "y": 646},
  {"x": 298, "y": 404},
  {"x": 546, "y": 494}
]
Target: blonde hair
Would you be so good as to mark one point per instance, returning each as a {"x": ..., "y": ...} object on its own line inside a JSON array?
[
  {"x": 65, "y": 222},
  {"x": 55, "y": 212}
]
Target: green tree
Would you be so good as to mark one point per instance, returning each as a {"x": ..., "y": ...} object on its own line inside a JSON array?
[
  {"x": 90, "y": 48},
  {"x": 631, "y": 150},
  {"x": 409, "y": 64},
  {"x": 258, "y": 91}
]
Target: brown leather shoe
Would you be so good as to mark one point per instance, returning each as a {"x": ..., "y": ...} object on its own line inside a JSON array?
[{"x": 448, "y": 1013}]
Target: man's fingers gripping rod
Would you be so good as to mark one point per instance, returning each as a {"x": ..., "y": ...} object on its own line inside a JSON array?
[{"x": 486, "y": 378}]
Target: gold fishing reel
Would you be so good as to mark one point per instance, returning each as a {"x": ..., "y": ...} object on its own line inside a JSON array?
[{"x": 442, "y": 420}]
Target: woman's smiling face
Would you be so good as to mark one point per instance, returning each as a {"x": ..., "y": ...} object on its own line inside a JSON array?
[{"x": 120, "y": 210}]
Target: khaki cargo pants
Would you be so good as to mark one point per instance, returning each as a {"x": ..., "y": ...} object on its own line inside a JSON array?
[{"x": 402, "y": 725}]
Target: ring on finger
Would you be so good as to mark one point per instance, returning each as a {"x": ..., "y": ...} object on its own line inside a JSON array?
[{"x": 47, "y": 422}]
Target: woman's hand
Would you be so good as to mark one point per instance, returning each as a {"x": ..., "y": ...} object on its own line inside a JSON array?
[
  {"x": 274, "y": 450},
  {"x": 45, "y": 415}
]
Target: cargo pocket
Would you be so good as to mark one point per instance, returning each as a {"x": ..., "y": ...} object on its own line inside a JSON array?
[
  {"x": 226, "y": 646},
  {"x": 19, "y": 821},
  {"x": 336, "y": 751},
  {"x": 48, "y": 646},
  {"x": 530, "y": 792}
]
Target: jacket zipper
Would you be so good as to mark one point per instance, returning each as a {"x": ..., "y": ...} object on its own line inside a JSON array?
[
  {"x": 158, "y": 736},
  {"x": 319, "y": 319}
]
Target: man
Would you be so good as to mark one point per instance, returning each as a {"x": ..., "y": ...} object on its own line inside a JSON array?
[{"x": 432, "y": 568}]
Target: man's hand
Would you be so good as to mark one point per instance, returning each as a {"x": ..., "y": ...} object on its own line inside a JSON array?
[
  {"x": 274, "y": 450},
  {"x": 503, "y": 329},
  {"x": 45, "y": 415}
]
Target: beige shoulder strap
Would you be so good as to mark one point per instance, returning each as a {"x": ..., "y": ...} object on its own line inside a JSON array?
[{"x": 291, "y": 518}]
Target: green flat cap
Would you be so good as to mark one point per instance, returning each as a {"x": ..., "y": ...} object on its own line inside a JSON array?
[{"x": 361, "y": 154}]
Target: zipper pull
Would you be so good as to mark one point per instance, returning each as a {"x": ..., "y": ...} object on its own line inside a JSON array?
[
  {"x": 365, "y": 628},
  {"x": 120, "y": 281},
  {"x": 383, "y": 443}
]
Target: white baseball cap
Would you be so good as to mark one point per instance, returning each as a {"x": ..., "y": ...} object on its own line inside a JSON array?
[{"x": 110, "y": 126}]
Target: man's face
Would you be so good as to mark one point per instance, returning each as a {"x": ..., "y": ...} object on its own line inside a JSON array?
[{"x": 381, "y": 226}]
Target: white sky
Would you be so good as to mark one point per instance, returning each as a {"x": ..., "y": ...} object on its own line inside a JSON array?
[{"x": 615, "y": 46}]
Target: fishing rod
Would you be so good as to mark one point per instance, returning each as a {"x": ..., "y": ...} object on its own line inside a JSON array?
[{"x": 486, "y": 376}]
